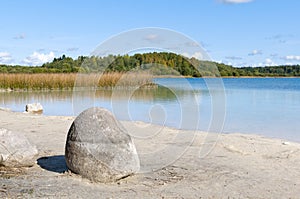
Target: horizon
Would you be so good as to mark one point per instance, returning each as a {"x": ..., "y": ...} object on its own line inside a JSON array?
[{"x": 234, "y": 32}]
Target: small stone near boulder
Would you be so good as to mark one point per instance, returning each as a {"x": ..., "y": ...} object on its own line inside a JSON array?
[
  {"x": 15, "y": 150},
  {"x": 99, "y": 148},
  {"x": 35, "y": 108},
  {"x": 4, "y": 109}
]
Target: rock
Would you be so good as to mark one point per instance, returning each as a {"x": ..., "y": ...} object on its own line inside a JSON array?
[
  {"x": 15, "y": 150},
  {"x": 36, "y": 108},
  {"x": 4, "y": 109},
  {"x": 99, "y": 148}
]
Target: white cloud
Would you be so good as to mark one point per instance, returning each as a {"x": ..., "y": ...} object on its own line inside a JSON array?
[
  {"x": 255, "y": 52},
  {"x": 266, "y": 62},
  {"x": 288, "y": 63},
  {"x": 5, "y": 58},
  {"x": 197, "y": 55},
  {"x": 292, "y": 57},
  {"x": 229, "y": 63},
  {"x": 151, "y": 37},
  {"x": 38, "y": 58},
  {"x": 269, "y": 62},
  {"x": 235, "y": 1}
]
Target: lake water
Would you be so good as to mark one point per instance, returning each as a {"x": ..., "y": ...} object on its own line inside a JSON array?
[{"x": 265, "y": 106}]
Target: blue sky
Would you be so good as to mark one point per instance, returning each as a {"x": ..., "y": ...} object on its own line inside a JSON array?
[{"x": 237, "y": 32}]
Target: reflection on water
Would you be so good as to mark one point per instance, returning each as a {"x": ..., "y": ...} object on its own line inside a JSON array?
[
  {"x": 54, "y": 102},
  {"x": 266, "y": 106},
  {"x": 64, "y": 102}
]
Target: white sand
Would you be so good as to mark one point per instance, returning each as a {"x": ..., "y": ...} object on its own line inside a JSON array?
[{"x": 238, "y": 165}]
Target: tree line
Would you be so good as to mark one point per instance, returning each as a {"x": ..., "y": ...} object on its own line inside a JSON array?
[{"x": 160, "y": 63}]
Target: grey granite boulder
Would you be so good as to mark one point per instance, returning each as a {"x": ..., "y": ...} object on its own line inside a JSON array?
[
  {"x": 99, "y": 148},
  {"x": 15, "y": 150}
]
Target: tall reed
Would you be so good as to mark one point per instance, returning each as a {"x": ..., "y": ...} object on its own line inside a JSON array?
[{"x": 61, "y": 81}]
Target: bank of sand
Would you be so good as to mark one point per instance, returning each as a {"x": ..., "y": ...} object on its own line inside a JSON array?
[{"x": 238, "y": 165}]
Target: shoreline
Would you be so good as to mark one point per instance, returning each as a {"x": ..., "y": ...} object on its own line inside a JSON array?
[
  {"x": 237, "y": 165},
  {"x": 45, "y": 89},
  {"x": 147, "y": 124}
]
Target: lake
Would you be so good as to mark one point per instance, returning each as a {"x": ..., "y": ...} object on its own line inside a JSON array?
[{"x": 264, "y": 106}]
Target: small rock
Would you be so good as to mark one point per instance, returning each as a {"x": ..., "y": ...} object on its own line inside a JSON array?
[
  {"x": 99, "y": 148},
  {"x": 35, "y": 108},
  {"x": 285, "y": 143},
  {"x": 4, "y": 109},
  {"x": 15, "y": 150}
]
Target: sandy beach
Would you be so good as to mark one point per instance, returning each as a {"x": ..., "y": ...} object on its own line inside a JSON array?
[{"x": 237, "y": 165}]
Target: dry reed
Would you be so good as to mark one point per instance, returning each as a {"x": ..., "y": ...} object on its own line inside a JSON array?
[{"x": 61, "y": 81}]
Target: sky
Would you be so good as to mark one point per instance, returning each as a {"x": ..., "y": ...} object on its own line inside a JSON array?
[{"x": 235, "y": 32}]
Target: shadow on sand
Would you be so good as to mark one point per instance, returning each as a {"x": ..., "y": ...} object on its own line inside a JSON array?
[{"x": 55, "y": 163}]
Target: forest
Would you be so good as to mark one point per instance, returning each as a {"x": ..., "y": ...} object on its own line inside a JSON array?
[{"x": 159, "y": 63}]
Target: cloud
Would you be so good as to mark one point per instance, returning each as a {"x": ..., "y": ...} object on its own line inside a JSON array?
[
  {"x": 191, "y": 44},
  {"x": 235, "y": 1},
  {"x": 5, "y": 58},
  {"x": 274, "y": 55},
  {"x": 269, "y": 62},
  {"x": 266, "y": 62},
  {"x": 289, "y": 63},
  {"x": 72, "y": 49},
  {"x": 38, "y": 58},
  {"x": 20, "y": 36},
  {"x": 282, "y": 41},
  {"x": 41, "y": 50},
  {"x": 233, "y": 58},
  {"x": 197, "y": 55},
  {"x": 281, "y": 38},
  {"x": 275, "y": 37},
  {"x": 292, "y": 57},
  {"x": 153, "y": 38},
  {"x": 204, "y": 44},
  {"x": 255, "y": 52},
  {"x": 243, "y": 64}
]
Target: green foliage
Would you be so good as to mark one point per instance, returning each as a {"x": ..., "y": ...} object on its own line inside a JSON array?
[
  {"x": 271, "y": 71},
  {"x": 161, "y": 63}
]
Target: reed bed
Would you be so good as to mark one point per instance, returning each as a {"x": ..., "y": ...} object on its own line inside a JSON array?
[{"x": 60, "y": 81}]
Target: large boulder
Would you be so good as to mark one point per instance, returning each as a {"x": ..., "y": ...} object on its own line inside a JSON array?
[
  {"x": 15, "y": 150},
  {"x": 35, "y": 108},
  {"x": 99, "y": 148}
]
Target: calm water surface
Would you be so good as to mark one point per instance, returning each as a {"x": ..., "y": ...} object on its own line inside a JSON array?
[{"x": 265, "y": 106}]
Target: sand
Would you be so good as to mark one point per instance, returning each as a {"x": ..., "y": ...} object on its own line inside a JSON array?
[{"x": 211, "y": 166}]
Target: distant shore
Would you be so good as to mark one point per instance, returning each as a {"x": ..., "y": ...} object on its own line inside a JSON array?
[
  {"x": 174, "y": 76},
  {"x": 237, "y": 166}
]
